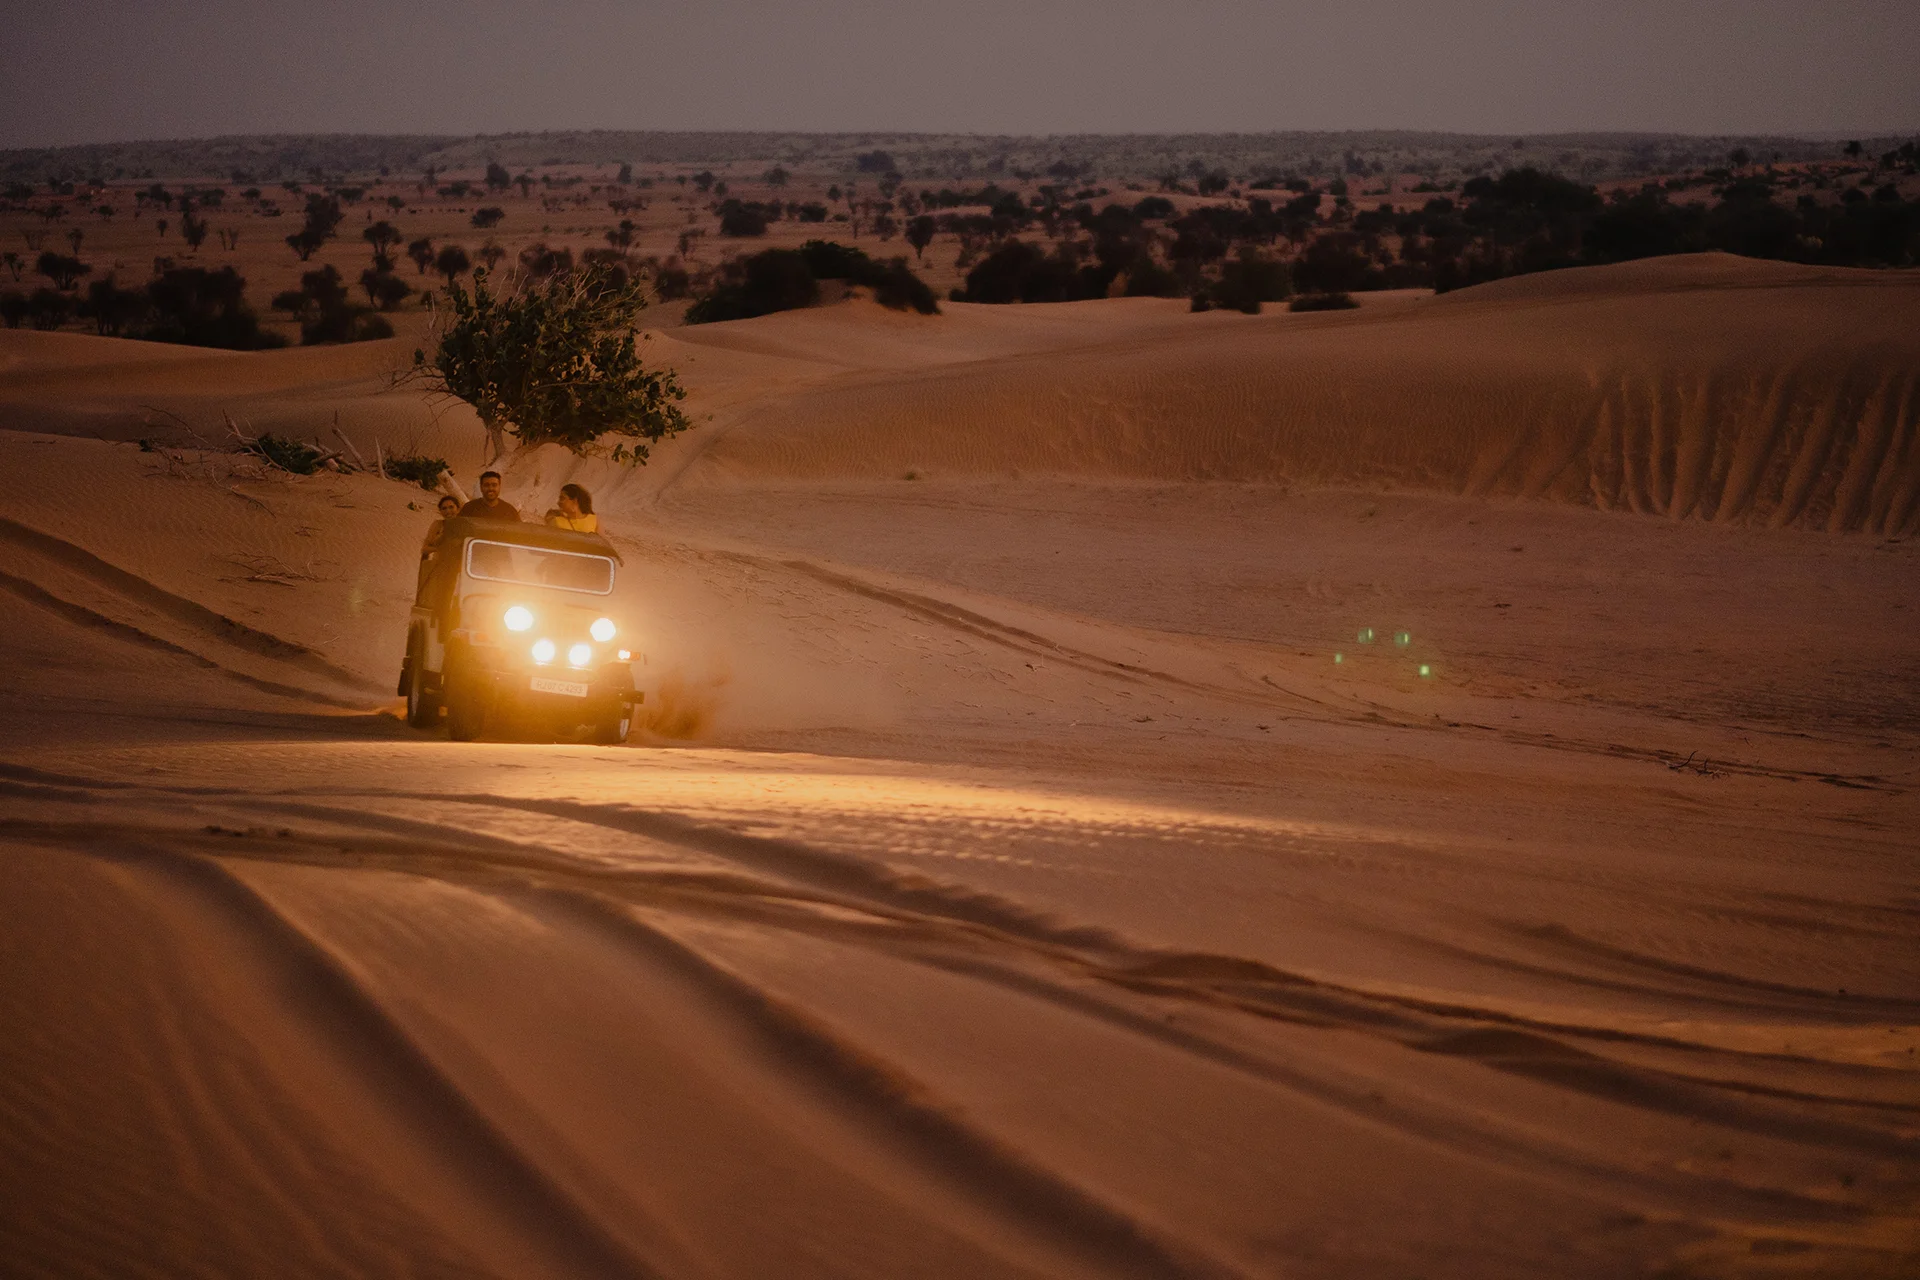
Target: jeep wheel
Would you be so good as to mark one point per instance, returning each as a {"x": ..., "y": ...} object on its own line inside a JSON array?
[
  {"x": 423, "y": 708},
  {"x": 466, "y": 707},
  {"x": 614, "y": 724}
]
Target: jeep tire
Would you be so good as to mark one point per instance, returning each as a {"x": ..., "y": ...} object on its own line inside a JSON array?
[
  {"x": 423, "y": 707},
  {"x": 466, "y": 699}
]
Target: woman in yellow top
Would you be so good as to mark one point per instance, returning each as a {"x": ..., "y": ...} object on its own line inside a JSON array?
[{"x": 575, "y": 512}]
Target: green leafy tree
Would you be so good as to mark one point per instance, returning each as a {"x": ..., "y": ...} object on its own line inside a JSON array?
[
  {"x": 203, "y": 308},
  {"x": 47, "y": 309},
  {"x": 192, "y": 229},
  {"x": 326, "y": 313},
  {"x": 920, "y": 234},
  {"x": 323, "y": 215},
  {"x": 64, "y": 271},
  {"x": 554, "y": 360},
  {"x": 383, "y": 236},
  {"x": 384, "y": 289},
  {"x": 451, "y": 261},
  {"x": 113, "y": 309}
]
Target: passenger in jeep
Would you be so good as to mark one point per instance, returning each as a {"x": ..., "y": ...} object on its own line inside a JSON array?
[
  {"x": 449, "y": 508},
  {"x": 490, "y": 505}
]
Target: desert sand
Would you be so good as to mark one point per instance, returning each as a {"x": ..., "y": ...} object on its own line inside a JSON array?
[{"x": 1431, "y": 790}]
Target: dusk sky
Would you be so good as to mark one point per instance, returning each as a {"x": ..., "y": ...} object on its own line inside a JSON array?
[{"x": 106, "y": 70}]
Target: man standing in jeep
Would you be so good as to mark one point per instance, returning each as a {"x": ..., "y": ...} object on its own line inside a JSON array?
[{"x": 489, "y": 505}]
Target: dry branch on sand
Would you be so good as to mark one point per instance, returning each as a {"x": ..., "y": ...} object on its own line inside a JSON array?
[{"x": 275, "y": 572}]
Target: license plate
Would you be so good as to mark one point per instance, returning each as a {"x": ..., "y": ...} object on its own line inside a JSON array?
[{"x": 572, "y": 688}]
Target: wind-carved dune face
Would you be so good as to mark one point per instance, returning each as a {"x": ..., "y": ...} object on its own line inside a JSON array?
[{"x": 1708, "y": 387}]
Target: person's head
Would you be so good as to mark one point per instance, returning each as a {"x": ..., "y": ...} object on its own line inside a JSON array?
[
  {"x": 449, "y": 505},
  {"x": 490, "y": 485},
  {"x": 575, "y": 501}
]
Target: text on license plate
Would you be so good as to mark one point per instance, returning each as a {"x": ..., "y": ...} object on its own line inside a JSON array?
[{"x": 572, "y": 688}]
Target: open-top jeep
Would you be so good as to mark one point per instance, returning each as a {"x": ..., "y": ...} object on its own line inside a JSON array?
[{"x": 513, "y": 621}]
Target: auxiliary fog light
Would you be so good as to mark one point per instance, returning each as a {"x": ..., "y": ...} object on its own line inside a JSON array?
[
  {"x": 543, "y": 650},
  {"x": 518, "y": 618},
  {"x": 601, "y": 630},
  {"x": 580, "y": 655},
  {"x": 626, "y": 655}
]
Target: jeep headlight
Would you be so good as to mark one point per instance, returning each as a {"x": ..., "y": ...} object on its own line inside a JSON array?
[
  {"x": 518, "y": 618},
  {"x": 601, "y": 630},
  {"x": 543, "y": 651}
]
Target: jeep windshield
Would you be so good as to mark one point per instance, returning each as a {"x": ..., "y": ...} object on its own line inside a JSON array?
[{"x": 539, "y": 567}]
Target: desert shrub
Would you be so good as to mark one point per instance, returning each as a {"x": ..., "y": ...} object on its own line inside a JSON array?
[
  {"x": 554, "y": 360},
  {"x": 787, "y": 279},
  {"x": 1148, "y": 279},
  {"x": 327, "y": 314},
  {"x": 322, "y": 216},
  {"x": 65, "y": 271},
  {"x": 671, "y": 283},
  {"x": 414, "y": 468},
  {"x": 1322, "y": 302},
  {"x": 288, "y": 455},
  {"x": 899, "y": 289},
  {"x": 812, "y": 211},
  {"x": 351, "y": 323},
  {"x": 451, "y": 261},
  {"x": 48, "y": 308},
  {"x": 1250, "y": 280},
  {"x": 769, "y": 281},
  {"x": 893, "y": 282},
  {"x": 112, "y": 309},
  {"x": 920, "y": 231},
  {"x": 738, "y": 219},
  {"x": 491, "y": 216},
  {"x": 1337, "y": 263},
  {"x": 831, "y": 260},
  {"x": 383, "y": 236},
  {"x": 205, "y": 308},
  {"x": 1021, "y": 272},
  {"x": 384, "y": 289},
  {"x": 538, "y": 262},
  {"x": 13, "y": 308},
  {"x": 1151, "y": 207}
]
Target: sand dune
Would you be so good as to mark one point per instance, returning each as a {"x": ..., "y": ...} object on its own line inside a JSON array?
[
  {"x": 1241, "y": 812},
  {"x": 1714, "y": 388}
]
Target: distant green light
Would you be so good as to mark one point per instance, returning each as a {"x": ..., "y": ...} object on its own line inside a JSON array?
[
  {"x": 1403, "y": 638},
  {"x": 1426, "y": 672},
  {"x": 1339, "y": 657},
  {"x": 1365, "y": 636}
]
